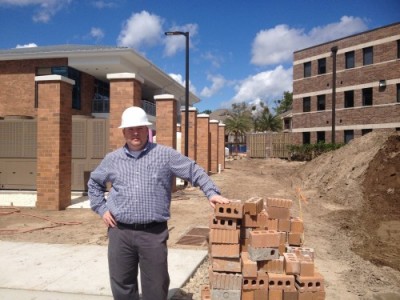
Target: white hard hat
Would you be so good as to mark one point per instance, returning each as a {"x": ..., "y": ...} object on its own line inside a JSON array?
[{"x": 133, "y": 117}]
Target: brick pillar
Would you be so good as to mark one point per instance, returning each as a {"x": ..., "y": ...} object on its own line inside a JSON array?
[
  {"x": 221, "y": 146},
  {"x": 54, "y": 142},
  {"x": 166, "y": 120},
  {"x": 214, "y": 146},
  {"x": 125, "y": 91},
  {"x": 203, "y": 141},
  {"x": 192, "y": 132}
]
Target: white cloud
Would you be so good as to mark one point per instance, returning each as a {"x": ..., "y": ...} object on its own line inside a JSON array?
[
  {"x": 30, "y": 45},
  {"x": 96, "y": 33},
  {"x": 179, "y": 78},
  {"x": 141, "y": 29},
  {"x": 215, "y": 60},
  {"x": 47, "y": 8},
  {"x": 218, "y": 82},
  {"x": 276, "y": 45},
  {"x": 173, "y": 44},
  {"x": 104, "y": 4},
  {"x": 264, "y": 87}
]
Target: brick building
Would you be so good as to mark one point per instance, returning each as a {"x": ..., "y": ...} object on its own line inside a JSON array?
[
  {"x": 349, "y": 86},
  {"x": 63, "y": 104}
]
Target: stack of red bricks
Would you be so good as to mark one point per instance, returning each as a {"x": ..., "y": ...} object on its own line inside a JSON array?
[{"x": 256, "y": 253}]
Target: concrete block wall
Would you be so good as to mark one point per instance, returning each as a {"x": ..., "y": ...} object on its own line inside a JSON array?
[{"x": 269, "y": 260}]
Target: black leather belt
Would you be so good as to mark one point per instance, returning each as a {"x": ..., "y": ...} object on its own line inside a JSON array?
[{"x": 139, "y": 226}]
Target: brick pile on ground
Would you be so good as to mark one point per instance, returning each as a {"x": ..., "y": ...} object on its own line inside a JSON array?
[{"x": 256, "y": 252}]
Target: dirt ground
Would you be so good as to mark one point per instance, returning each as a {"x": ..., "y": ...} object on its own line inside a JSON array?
[{"x": 349, "y": 200}]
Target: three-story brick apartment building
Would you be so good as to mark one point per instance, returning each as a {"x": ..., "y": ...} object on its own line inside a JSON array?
[{"x": 348, "y": 86}]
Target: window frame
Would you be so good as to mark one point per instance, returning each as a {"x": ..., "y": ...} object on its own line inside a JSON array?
[
  {"x": 368, "y": 57},
  {"x": 307, "y": 69},
  {"x": 306, "y": 138},
  {"x": 322, "y": 66},
  {"x": 350, "y": 60},
  {"x": 321, "y": 137},
  {"x": 367, "y": 97},
  {"x": 321, "y": 98},
  {"x": 306, "y": 104},
  {"x": 346, "y": 99},
  {"x": 348, "y": 135}
]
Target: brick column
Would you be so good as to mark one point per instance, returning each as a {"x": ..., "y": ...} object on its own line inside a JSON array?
[
  {"x": 125, "y": 91},
  {"x": 192, "y": 132},
  {"x": 166, "y": 120},
  {"x": 221, "y": 146},
  {"x": 54, "y": 142},
  {"x": 214, "y": 146},
  {"x": 203, "y": 141}
]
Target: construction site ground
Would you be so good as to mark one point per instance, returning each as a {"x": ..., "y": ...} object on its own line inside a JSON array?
[{"x": 349, "y": 200}]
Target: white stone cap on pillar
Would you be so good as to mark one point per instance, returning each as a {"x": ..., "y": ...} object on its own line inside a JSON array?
[
  {"x": 164, "y": 97},
  {"x": 191, "y": 108},
  {"x": 214, "y": 121},
  {"x": 112, "y": 76},
  {"x": 203, "y": 115},
  {"x": 55, "y": 78},
  {"x": 221, "y": 124}
]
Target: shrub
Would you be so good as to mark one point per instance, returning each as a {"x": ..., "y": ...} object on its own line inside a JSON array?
[{"x": 308, "y": 152}]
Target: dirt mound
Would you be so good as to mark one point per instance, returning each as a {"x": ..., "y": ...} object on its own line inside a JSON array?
[{"x": 360, "y": 184}]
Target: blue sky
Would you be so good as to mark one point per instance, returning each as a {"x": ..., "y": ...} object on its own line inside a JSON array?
[{"x": 240, "y": 51}]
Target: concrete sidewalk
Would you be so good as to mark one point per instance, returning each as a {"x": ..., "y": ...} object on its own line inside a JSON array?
[{"x": 61, "y": 271}]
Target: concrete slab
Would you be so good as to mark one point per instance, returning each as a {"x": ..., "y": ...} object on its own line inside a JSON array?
[{"x": 62, "y": 271}]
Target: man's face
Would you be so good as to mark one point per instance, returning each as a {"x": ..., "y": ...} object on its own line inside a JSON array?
[{"x": 136, "y": 137}]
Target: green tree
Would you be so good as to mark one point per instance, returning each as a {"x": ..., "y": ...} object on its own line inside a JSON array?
[
  {"x": 267, "y": 122},
  {"x": 284, "y": 104},
  {"x": 239, "y": 122},
  {"x": 207, "y": 111}
]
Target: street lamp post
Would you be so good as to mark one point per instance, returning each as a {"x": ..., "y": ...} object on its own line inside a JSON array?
[
  {"x": 334, "y": 53},
  {"x": 186, "y": 34}
]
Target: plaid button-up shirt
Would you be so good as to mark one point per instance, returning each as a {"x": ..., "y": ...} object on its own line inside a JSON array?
[{"x": 141, "y": 186}]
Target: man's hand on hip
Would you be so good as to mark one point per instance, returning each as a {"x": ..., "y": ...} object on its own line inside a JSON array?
[{"x": 109, "y": 220}]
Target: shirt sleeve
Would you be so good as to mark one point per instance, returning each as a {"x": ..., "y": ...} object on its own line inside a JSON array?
[
  {"x": 97, "y": 188},
  {"x": 187, "y": 169}
]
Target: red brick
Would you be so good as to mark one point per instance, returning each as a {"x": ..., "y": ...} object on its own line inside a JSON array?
[
  {"x": 281, "y": 281},
  {"x": 262, "y": 220},
  {"x": 233, "y": 210},
  {"x": 283, "y": 225},
  {"x": 222, "y": 223},
  {"x": 272, "y": 266},
  {"x": 275, "y": 294},
  {"x": 249, "y": 267},
  {"x": 225, "y": 281},
  {"x": 320, "y": 295},
  {"x": 279, "y": 202},
  {"x": 245, "y": 232},
  {"x": 247, "y": 295},
  {"x": 292, "y": 263},
  {"x": 300, "y": 251},
  {"x": 272, "y": 224},
  {"x": 310, "y": 283},
  {"x": 295, "y": 239},
  {"x": 305, "y": 296},
  {"x": 278, "y": 212},
  {"x": 296, "y": 225},
  {"x": 249, "y": 221},
  {"x": 306, "y": 266},
  {"x": 222, "y": 236},
  {"x": 205, "y": 292},
  {"x": 257, "y": 283},
  {"x": 264, "y": 238},
  {"x": 225, "y": 250},
  {"x": 253, "y": 206},
  {"x": 261, "y": 294},
  {"x": 290, "y": 294},
  {"x": 244, "y": 244},
  {"x": 225, "y": 264}
]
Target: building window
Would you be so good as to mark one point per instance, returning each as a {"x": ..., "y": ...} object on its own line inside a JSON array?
[
  {"x": 68, "y": 72},
  {"x": 101, "y": 100},
  {"x": 367, "y": 96},
  {"x": 322, "y": 66},
  {"x": 306, "y": 104},
  {"x": 348, "y": 136},
  {"x": 349, "y": 99},
  {"x": 350, "y": 62},
  {"x": 398, "y": 92},
  {"x": 365, "y": 131},
  {"x": 306, "y": 138},
  {"x": 321, "y": 102},
  {"x": 398, "y": 48},
  {"x": 368, "y": 56},
  {"x": 307, "y": 69},
  {"x": 320, "y": 136}
]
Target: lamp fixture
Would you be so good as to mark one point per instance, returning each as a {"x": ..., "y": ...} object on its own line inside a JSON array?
[{"x": 382, "y": 83}]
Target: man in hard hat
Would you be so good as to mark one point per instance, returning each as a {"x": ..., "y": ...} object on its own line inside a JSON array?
[{"x": 137, "y": 207}]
